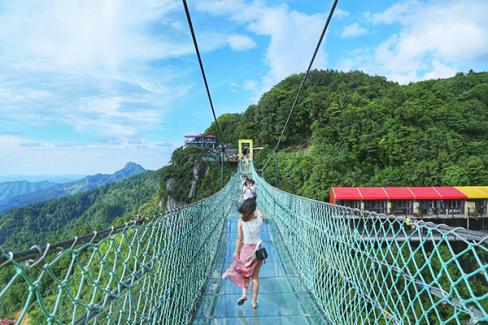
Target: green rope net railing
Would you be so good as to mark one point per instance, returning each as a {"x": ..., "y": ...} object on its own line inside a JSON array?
[
  {"x": 367, "y": 268},
  {"x": 149, "y": 273},
  {"x": 361, "y": 267}
]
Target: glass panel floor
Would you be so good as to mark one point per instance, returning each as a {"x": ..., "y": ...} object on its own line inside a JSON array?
[{"x": 282, "y": 297}]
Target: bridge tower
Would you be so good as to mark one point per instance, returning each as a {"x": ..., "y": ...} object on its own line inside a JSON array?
[{"x": 245, "y": 144}]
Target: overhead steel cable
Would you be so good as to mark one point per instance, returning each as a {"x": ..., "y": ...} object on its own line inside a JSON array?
[
  {"x": 195, "y": 43},
  {"x": 300, "y": 90}
]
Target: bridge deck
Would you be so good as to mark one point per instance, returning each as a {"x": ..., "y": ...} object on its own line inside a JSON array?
[{"x": 282, "y": 298}]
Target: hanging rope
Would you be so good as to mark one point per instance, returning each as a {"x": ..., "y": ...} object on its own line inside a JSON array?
[
  {"x": 145, "y": 272},
  {"x": 300, "y": 90},
  {"x": 200, "y": 63}
]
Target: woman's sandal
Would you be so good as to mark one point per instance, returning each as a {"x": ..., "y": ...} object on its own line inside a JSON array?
[
  {"x": 241, "y": 300},
  {"x": 254, "y": 306}
]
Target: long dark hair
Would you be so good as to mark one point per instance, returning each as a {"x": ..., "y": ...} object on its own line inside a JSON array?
[{"x": 247, "y": 209}]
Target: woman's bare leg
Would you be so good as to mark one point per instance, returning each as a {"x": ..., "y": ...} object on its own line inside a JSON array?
[
  {"x": 244, "y": 292},
  {"x": 255, "y": 286},
  {"x": 243, "y": 298}
]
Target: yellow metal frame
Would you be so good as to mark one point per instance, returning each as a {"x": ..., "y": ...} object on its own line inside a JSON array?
[{"x": 249, "y": 142}]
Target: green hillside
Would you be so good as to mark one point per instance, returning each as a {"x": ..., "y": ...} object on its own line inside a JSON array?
[
  {"x": 348, "y": 129},
  {"x": 352, "y": 129},
  {"x": 77, "y": 214}
]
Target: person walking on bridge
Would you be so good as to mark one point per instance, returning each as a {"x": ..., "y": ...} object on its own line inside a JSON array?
[
  {"x": 249, "y": 189},
  {"x": 245, "y": 266}
]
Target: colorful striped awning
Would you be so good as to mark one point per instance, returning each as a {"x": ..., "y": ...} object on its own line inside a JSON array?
[{"x": 409, "y": 193}]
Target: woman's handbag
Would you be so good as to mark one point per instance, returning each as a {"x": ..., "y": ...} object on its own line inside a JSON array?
[{"x": 261, "y": 254}]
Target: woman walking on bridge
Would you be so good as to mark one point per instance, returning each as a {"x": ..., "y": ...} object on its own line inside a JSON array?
[{"x": 245, "y": 265}]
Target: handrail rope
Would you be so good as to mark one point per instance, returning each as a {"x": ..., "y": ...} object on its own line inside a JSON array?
[
  {"x": 474, "y": 312},
  {"x": 48, "y": 249},
  {"x": 105, "y": 286},
  {"x": 341, "y": 273},
  {"x": 139, "y": 275},
  {"x": 476, "y": 237},
  {"x": 324, "y": 29},
  {"x": 200, "y": 63}
]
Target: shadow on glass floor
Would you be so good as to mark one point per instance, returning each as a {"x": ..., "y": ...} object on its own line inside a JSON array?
[{"x": 282, "y": 297}]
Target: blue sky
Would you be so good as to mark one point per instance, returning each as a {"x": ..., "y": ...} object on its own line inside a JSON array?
[{"x": 86, "y": 86}]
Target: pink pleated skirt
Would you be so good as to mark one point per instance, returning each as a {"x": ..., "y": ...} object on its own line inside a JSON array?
[{"x": 241, "y": 271}]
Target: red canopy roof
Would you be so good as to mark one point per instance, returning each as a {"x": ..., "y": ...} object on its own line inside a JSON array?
[
  {"x": 373, "y": 193},
  {"x": 396, "y": 193},
  {"x": 426, "y": 193},
  {"x": 399, "y": 193},
  {"x": 450, "y": 192}
]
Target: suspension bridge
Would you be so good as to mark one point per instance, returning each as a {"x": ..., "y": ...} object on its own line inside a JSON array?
[
  {"x": 321, "y": 270},
  {"x": 327, "y": 264}
]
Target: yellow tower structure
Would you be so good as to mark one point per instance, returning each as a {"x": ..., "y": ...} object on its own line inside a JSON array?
[{"x": 245, "y": 143}]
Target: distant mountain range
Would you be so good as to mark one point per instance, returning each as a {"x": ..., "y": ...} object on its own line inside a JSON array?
[
  {"x": 21, "y": 193},
  {"x": 59, "y": 219}
]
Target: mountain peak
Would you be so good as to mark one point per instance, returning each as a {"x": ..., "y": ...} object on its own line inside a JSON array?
[{"x": 133, "y": 165}]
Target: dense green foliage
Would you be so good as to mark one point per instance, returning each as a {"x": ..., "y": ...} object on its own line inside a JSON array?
[
  {"x": 120, "y": 273},
  {"x": 351, "y": 129},
  {"x": 67, "y": 217},
  {"x": 180, "y": 169}
]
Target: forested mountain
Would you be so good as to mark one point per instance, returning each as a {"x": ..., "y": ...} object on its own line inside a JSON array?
[
  {"x": 77, "y": 214},
  {"x": 61, "y": 190},
  {"x": 352, "y": 129},
  {"x": 348, "y": 129},
  {"x": 12, "y": 189}
]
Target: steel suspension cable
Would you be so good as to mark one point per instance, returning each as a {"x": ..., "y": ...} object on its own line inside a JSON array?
[
  {"x": 300, "y": 90},
  {"x": 195, "y": 43}
]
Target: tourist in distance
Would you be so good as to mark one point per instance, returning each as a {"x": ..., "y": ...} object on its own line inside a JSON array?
[
  {"x": 244, "y": 182},
  {"x": 244, "y": 155},
  {"x": 245, "y": 159},
  {"x": 245, "y": 266},
  {"x": 249, "y": 189}
]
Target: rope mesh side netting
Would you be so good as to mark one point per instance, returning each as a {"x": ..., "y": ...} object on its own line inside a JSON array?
[
  {"x": 368, "y": 268},
  {"x": 148, "y": 273}
]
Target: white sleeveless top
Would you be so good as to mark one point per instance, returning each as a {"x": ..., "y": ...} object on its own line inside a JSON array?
[
  {"x": 252, "y": 230},
  {"x": 248, "y": 194}
]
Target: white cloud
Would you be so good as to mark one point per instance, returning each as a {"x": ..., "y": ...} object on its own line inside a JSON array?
[
  {"x": 439, "y": 70},
  {"x": 47, "y": 156},
  {"x": 84, "y": 35},
  {"x": 251, "y": 85},
  {"x": 241, "y": 42},
  {"x": 88, "y": 64},
  {"x": 340, "y": 13},
  {"x": 293, "y": 35},
  {"x": 435, "y": 40},
  {"x": 399, "y": 12},
  {"x": 353, "y": 30}
]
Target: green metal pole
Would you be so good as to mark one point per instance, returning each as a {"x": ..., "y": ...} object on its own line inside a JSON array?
[
  {"x": 222, "y": 168},
  {"x": 276, "y": 170}
]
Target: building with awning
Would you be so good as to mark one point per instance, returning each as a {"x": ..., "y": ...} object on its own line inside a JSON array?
[
  {"x": 411, "y": 200},
  {"x": 201, "y": 140}
]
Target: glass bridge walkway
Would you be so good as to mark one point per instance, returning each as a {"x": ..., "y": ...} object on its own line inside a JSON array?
[{"x": 282, "y": 297}]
